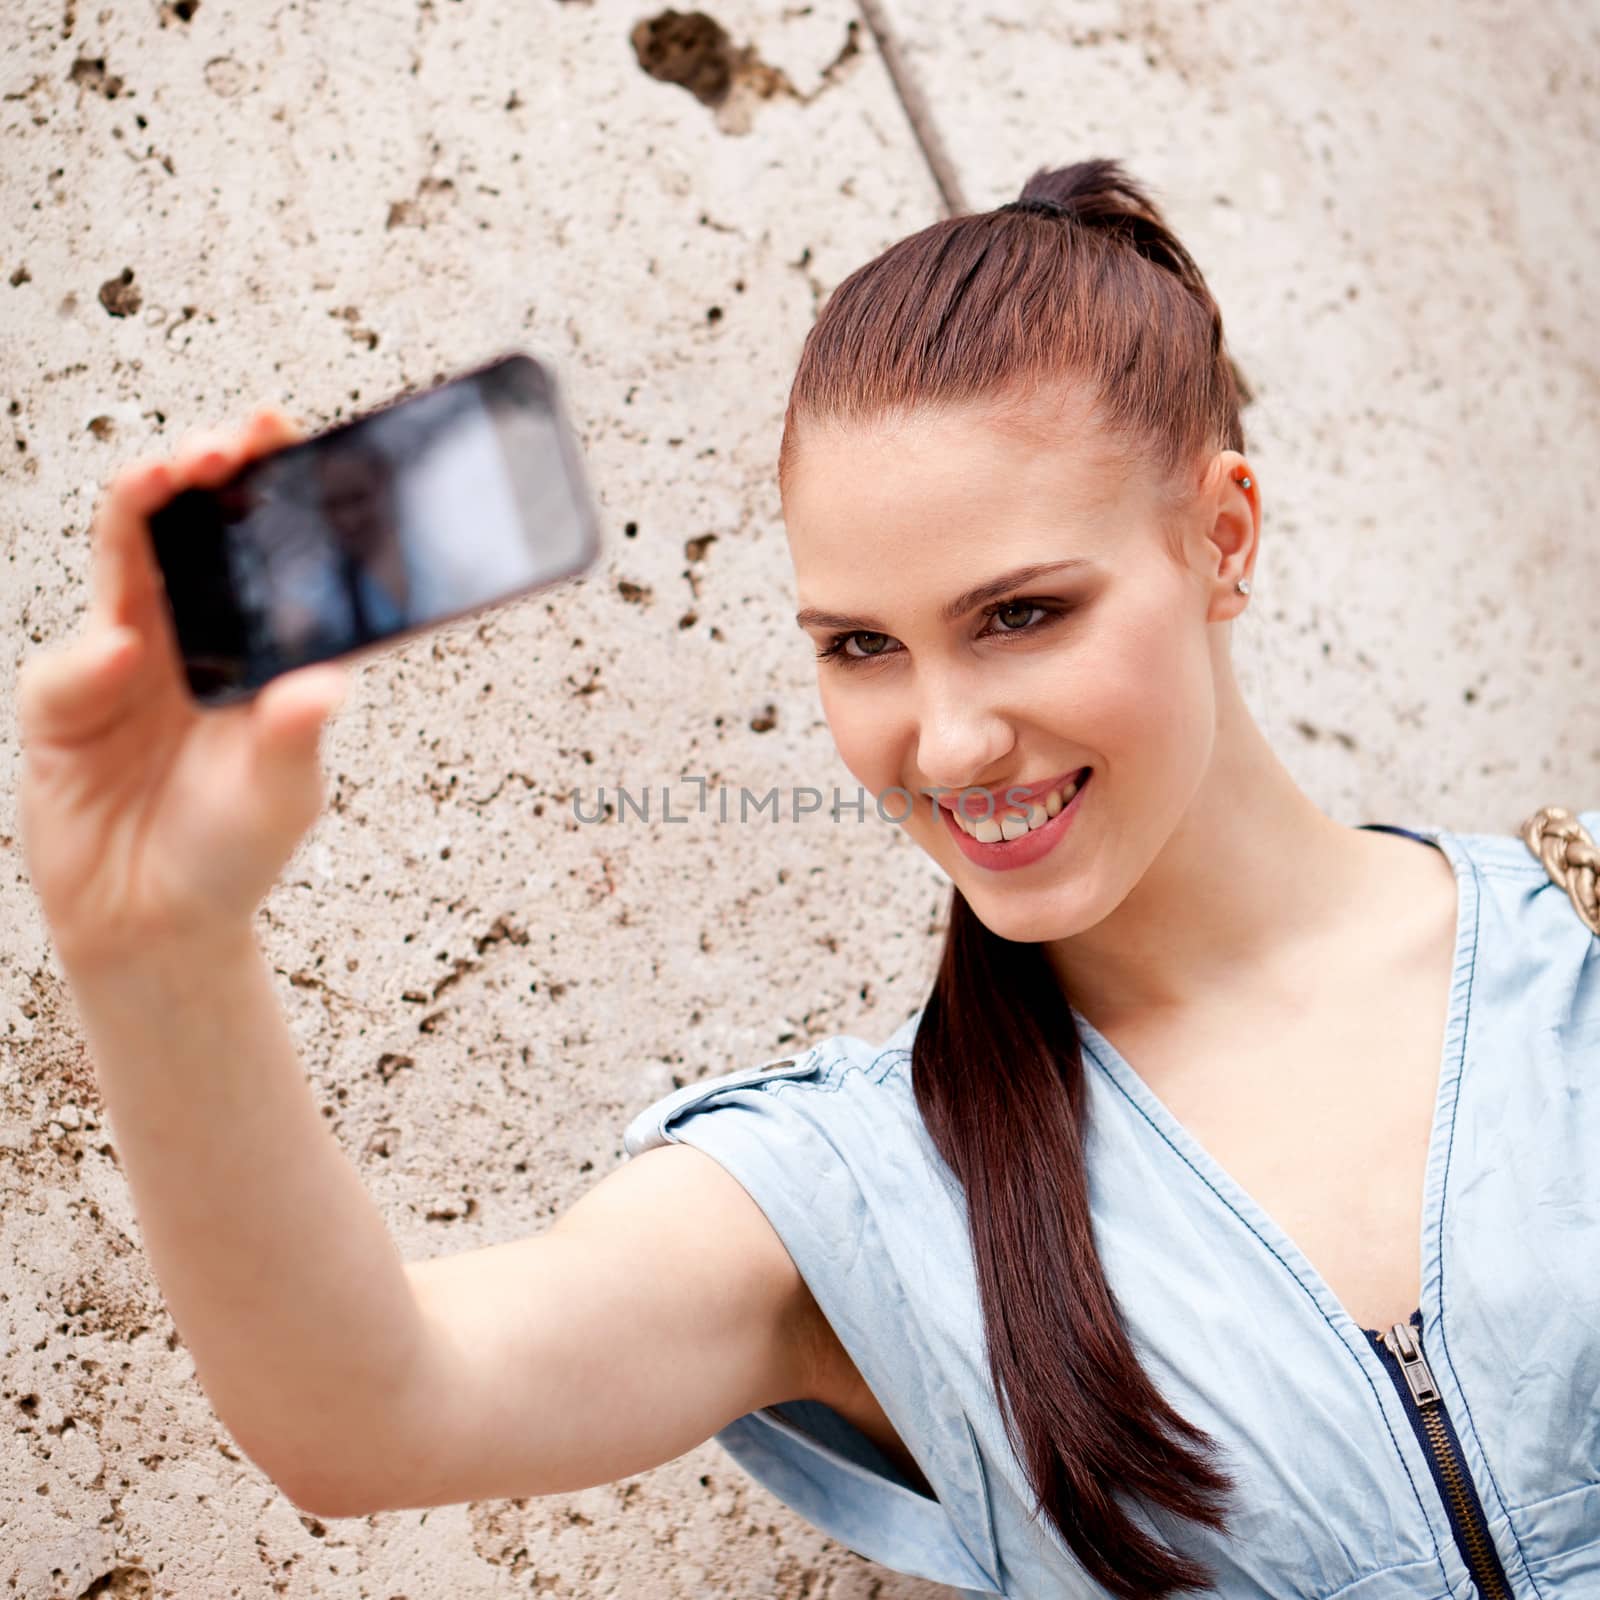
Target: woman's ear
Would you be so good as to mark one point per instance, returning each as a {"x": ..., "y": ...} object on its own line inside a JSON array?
[{"x": 1229, "y": 530}]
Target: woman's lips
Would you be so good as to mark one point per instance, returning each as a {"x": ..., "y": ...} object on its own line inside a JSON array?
[{"x": 1032, "y": 846}]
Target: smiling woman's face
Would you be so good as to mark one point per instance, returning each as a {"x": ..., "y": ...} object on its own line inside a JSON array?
[{"x": 1000, "y": 615}]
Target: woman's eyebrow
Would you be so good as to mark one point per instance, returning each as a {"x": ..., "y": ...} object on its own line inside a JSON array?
[{"x": 967, "y": 600}]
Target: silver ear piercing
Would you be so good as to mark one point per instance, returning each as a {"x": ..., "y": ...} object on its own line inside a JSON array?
[{"x": 1243, "y": 585}]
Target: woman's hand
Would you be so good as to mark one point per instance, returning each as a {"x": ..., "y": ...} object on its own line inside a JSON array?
[{"x": 144, "y": 816}]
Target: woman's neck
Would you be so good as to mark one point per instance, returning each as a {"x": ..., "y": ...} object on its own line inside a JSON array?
[{"x": 1254, "y": 882}]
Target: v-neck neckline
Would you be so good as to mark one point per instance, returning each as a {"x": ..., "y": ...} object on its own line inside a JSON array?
[{"x": 1436, "y": 1168}]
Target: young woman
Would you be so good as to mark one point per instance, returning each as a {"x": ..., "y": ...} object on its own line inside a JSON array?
[{"x": 1100, "y": 1277}]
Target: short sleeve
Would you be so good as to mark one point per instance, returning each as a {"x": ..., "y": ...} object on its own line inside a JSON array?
[{"x": 763, "y": 1126}]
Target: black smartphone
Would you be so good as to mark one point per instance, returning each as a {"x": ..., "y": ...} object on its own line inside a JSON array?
[{"x": 426, "y": 509}]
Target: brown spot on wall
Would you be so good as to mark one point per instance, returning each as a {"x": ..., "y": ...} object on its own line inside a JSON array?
[
  {"x": 225, "y": 77},
  {"x": 432, "y": 202},
  {"x": 389, "y": 1064},
  {"x": 453, "y": 1210},
  {"x": 120, "y": 296},
  {"x": 121, "y": 1583},
  {"x": 20, "y": 277},
  {"x": 687, "y": 48},
  {"x": 694, "y": 51},
  {"x": 358, "y": 333},
  {"x": 102, "y": 427},
  {"x": 848, "y": 51},
  {"x": 89, "y": 72},
  {"x": 635, "y": 594}
]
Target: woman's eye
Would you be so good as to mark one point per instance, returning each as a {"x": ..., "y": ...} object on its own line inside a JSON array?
[
  {"x": 857, "y": 646},
  {"x": 866, "y": 644},
  {"x": 1015, "y": 615}
]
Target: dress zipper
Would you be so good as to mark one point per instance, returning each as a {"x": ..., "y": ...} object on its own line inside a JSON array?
[{"x": 1400, "y": 1349}]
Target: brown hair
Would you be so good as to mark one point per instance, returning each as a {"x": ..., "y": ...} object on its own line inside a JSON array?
[{"x": 1083, "y": 287}]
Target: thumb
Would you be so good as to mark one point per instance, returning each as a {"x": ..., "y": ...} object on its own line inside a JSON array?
[{"x": 288, "y": 717}]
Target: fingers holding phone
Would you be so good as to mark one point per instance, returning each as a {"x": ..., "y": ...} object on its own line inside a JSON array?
[
  {"x": 140, "y": 813},
  {"x": 126, "y": 587},
  {"x": 79, "y": 690}
]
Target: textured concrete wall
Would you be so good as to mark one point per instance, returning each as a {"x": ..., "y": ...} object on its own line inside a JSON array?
[{"x": 206, "y": 205}]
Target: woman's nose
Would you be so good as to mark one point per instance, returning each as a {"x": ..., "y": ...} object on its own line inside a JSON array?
[{"x": 960, "y": 740}]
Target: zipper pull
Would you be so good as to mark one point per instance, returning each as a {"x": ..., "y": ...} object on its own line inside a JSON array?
[{"x": 1404, "y": 1346}]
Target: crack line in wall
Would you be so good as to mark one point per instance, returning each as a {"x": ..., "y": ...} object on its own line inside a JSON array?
[{"x": 915, "y": 105}]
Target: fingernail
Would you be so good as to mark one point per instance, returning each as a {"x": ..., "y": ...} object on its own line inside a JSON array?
[{"x": 145, "y": 482}]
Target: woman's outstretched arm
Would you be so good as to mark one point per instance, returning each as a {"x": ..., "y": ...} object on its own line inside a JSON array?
[{"x": 661, "y": 1306}]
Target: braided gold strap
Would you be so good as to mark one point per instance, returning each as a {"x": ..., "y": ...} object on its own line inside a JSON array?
[{"x": 1570, "y": 856}]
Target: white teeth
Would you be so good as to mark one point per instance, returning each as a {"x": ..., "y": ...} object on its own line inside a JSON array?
[{"x": 1010, "y": 825}]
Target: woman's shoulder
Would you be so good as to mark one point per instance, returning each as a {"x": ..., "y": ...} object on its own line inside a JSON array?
[
  {"x": 838, "y": 1080},
  {"x": 1510, "y": 853},
  {"x": 1528, "y": 904},
  {"x": 1534, "y": 886}
]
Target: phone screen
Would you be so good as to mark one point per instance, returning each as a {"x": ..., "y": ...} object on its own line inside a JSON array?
[{"x": 432, "y": 507}]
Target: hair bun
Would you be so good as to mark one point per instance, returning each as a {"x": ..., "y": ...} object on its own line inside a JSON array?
[{"x": 1099, "y": 194}]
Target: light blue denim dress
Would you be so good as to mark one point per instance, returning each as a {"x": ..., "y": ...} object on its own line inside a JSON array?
[{"x": 1461, "y": 1461}]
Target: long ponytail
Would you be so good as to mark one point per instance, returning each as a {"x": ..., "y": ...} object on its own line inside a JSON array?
[{"x": 998, "y": 1074}]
